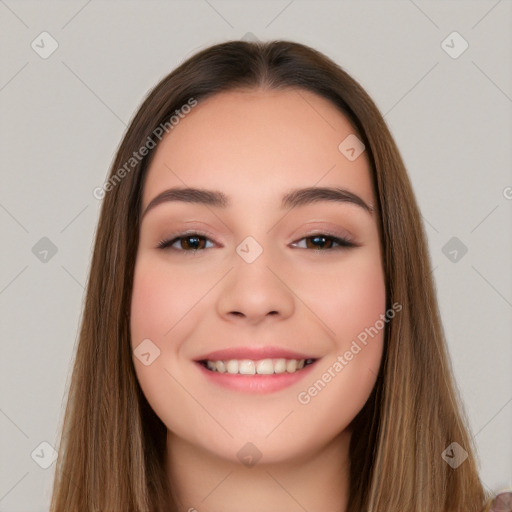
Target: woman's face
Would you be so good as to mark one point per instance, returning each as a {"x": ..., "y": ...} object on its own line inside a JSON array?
[{"x": 258, "y": 310}]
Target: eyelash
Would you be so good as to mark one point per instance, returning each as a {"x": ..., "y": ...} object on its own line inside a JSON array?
[{"x": 343, "y": 243}]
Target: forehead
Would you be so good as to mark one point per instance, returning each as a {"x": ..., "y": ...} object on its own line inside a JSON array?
[{"x": 255, "y": 144}]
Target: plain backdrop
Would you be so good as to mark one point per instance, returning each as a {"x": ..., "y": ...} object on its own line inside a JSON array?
[{"x": 63, "y": 115}]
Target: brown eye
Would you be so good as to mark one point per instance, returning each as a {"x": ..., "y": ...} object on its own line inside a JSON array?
[
  {"x": 319, "y": 242},
  {"x": 323, "y": 242},
  {"x": 186, "y": 242}
]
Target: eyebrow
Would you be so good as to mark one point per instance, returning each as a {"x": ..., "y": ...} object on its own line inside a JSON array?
[{"x": 293, "y": 199}]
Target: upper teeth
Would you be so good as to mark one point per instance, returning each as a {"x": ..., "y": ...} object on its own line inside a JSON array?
[{"x": 262, "y": 367}]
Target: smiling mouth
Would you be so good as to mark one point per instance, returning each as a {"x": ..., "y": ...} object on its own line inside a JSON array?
[{"x": 259, "y": 367}]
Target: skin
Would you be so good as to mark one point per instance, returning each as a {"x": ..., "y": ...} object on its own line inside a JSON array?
[{"x": 255, "y": 146}]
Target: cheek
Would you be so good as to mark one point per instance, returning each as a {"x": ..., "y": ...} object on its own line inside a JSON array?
[
  {"x": 160, "y": 300},
  {"x": 148, "y": 299},
  {"x": 161, "y": 297},
  {"x": 350, "y": 299},
  {"x": 351, "y": 307},
  {"x": 154, "y": 308}
]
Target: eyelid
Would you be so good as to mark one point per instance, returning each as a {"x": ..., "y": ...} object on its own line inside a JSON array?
[{"x": 322, "y": 228}]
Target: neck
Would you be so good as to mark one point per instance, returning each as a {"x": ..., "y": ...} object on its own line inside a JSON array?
[{"x": 204, "y": 482}]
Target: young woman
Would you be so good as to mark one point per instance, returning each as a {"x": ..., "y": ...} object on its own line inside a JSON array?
[{"x": 260, "y": 330}]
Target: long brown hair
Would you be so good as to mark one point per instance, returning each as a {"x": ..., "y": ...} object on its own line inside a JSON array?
[{"x": 112, "y": 449}]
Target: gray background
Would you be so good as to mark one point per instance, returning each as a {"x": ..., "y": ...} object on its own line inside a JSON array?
[{"x": 62, "y": 118}]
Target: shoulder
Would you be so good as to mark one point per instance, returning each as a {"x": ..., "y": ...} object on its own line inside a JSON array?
[{"x": 502, "y": 502}]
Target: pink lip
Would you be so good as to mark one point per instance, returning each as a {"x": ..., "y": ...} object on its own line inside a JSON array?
[
  {"x": 253, "y": 353},
  {"x": 254, "y": 383}
]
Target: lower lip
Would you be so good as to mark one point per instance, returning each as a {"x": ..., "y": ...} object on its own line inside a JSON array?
[{"x": 256, "y": 383}]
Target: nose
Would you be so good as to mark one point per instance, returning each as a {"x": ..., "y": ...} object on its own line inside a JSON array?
[{"x": 256, "y": 291}]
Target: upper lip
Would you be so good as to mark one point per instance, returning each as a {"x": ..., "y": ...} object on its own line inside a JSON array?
[{"x": 253, "y": 353}]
